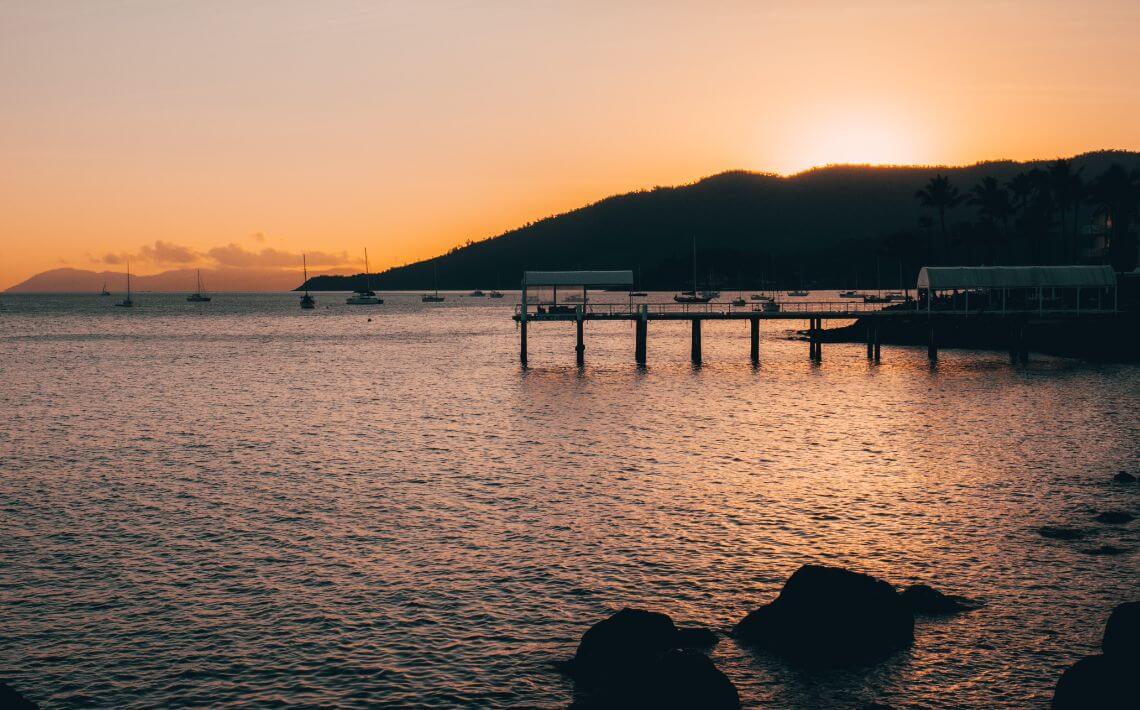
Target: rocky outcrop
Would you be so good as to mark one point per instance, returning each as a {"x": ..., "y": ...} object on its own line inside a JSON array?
[
  {"x": 1124, "y": 477},
  {"x": 1114, "y": 517},
  {"x": 1058, "y": 532},
  {"x": 635, "y": 658},
  {"x": 924, "y": 599},
  {"x": 1110, "y": 679},
  {"x": 10, "y": 699},
  {"x": 831, "y": 616}
]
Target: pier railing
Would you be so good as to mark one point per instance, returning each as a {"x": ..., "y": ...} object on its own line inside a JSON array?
[{"x": 610, "y": 310}]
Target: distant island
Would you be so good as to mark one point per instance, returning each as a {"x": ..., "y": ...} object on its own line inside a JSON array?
[{"x": 837, "y": 226}]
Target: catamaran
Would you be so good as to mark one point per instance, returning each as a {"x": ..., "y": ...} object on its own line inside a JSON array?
[
  {"x": 198, "y": 296},
  {"x": 694, "y": 296},
  {"x": 364, "y": 296},
  {"x": 307, "y": 301},
  {"x": 127, "y": 302}
]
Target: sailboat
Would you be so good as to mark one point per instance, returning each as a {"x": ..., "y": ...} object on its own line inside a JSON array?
[
  {"x": 198, "y": 296},
  {"x": 365, "y": 296},
  {"x": 127, "y": 302},
  {"x": 104, "y": 292},
  {"x": 307, "y": 301},
  {"x": 800, "y": 292},
  {"x": 433, "y": 297},
  {"x": 693, "y": 296}
]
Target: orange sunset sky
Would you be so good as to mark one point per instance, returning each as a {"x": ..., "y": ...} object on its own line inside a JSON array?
[{"x": 241, "y": 132}]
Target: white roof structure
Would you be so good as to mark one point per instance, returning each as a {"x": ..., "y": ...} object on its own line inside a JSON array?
[
  {"x": 945, "y": 278},
  {"x": 603, "y": 279}
]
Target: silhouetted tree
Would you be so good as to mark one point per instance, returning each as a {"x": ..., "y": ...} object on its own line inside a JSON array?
[
  {"x": 1116, "y": 193},
  {"x": 994, "y": 209},
  {"x": 1067, "y": 190},
  {"x": 941, "y": 196}
]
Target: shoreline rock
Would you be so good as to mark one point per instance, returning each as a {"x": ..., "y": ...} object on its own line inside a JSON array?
[
  {"x": 1124, "y": 477},
  {"x": 638, "y": 658},
  {"x": 924, "y": 599},
  {"x": 1108, "y": 680},
  {"x": 829, "y": 616}
]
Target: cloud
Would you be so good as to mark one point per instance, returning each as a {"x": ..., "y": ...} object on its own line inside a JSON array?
[
  {"x": 168, "y": 253},
  {"x": 258, "y": 237},
  {"x": 112, "y": 258},
  {"x": 236, "y": 255}
]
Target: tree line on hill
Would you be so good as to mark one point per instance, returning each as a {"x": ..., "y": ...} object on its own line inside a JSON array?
[{"x": 838, "y": 226}]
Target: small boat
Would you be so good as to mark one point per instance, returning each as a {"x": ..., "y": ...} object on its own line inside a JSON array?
[
  {"x": 873, "y": 298},
  {"x": 365, "y": 296},
  {"x": 307, "y": 301},
  {"x": 104, "y": 292},
  {"x": 690, "y": 297},
  {"x": 476, "y": 294},
  {"x": 198, "y": 296},
  {"x": 576, "y": 298},
  {"x": 895, "y": 296},
  {"x": 433, "y": 297},
  {"x": 760, "y": 297},
  {"x": 638, "y": 294},
  {"x": 495, "y": 294},
  {"x": 739, "y": 301},
  {"x": 693, "y": 296},
  {"x": 850, "y": 294},
  {"x": 799, "y": 293},
  {"x": 127, "y": 302}
]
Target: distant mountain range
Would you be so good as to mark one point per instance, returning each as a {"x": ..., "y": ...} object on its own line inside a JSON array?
[
  {"x": 826, "y": 227},
  {"x": 823, "y": 226},
  {"x": 176, "y": 281}
]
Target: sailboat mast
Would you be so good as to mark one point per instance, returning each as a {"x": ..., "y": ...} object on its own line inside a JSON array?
[
  {"x": 694, "y": 266},
  {"x": 128, "y": 280},
  {"x": 305, "y": 270},
  {"x": 367, "y": 273}
]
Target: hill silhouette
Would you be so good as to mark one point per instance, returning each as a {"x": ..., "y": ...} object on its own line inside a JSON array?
[{"x": 828, "y": 226}]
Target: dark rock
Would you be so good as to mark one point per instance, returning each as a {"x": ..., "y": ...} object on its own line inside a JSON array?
[
  {"x": 686, "y": 679},
  {"x": 1122, "y": 632},
  {"x": 876, "y": 706},
  {"x": 624, "y": 644},
  {"x": 1109, "y": 680},
  {"x": 1097, "y": 682},
  {"x": 923, "y": 599},
  {"x": 831, "y": 616},
  {"x": 1124, "y": 477},
  {"x": 12, "y": 700},
  {"x": 695, "y": 638},
  {"x": 1057, "y": 532},
  {"x": 1105, "y": 550},
  {"x": 1115, "y": 517}
]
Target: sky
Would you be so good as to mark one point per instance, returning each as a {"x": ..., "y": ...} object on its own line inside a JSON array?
[{"x": 223, "y": 133}]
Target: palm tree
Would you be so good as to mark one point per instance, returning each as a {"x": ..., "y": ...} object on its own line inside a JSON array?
[
  {"x": 994, "y": 208},
  {"x": 1116, "y": 193},
  {"x": 1068, "y": 190},
  {"x": 940, "y": 195}
]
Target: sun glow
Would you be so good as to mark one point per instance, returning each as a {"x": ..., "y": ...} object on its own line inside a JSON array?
[{"x": 856, "y": 136}]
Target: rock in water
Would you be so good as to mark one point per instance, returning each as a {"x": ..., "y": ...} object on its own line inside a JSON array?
[
  {"x": 1124, "y": 477},
  {"x": 1096, "y": 682},
  {"x": 12, "y": 700},
  {"x": 831, "y": 616},
  {"x": 1122, "y": 633},
  {"x": 1114, "y": 517},
  {"x": 924, "y": 599},
  {"x": 632, "y": 660},
  {"x": 627, "y": 642},
  {"x": 682, "y": 680},
  {"x": 1057, "y": 532},
  {"x": 1108, "y": 680}
]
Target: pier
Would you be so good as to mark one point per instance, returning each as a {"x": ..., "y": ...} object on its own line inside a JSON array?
[{"x": 1014, "y": 294}]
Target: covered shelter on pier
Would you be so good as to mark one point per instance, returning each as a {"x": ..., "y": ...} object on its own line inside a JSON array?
[
  {"x": 541, "y": 288},
  {"x": 998, "y": 288}
]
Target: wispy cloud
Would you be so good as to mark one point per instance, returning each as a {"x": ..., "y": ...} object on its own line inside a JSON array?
[{"x": 236, "y": 255}]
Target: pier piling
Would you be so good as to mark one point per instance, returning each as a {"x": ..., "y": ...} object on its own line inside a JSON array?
[
  {"x": 641, "y": 328},
  {"x": 696, "y": 350},
  {"x": 878, "y": 344},
  {"x": 870, "y": 341},
  {"x": 522, "y": 341},
  {"x": 754, "y": 324},
  {"x": 580, "y": 348},
  {"x": 932, "y": 346}
]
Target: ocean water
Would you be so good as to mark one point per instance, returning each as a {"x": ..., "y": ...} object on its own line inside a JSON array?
[{"x": 242, "y": 502}]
